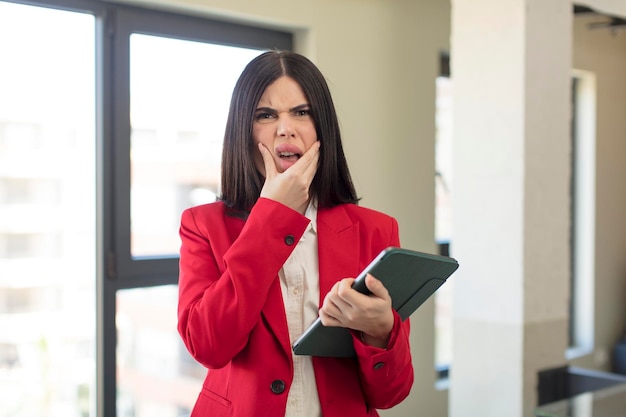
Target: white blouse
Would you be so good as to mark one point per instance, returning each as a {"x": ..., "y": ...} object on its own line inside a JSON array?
[{"x": 299, "y": 282}]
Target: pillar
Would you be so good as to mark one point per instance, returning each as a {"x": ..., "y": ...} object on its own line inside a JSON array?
[{"x": 511, "y": 69}]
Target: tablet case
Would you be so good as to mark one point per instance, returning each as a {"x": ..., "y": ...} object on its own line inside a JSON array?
[{"x": 411, "y": 277}]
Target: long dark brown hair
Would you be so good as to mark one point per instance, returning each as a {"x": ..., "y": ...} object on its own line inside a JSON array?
[{"x": 241, "y": 181}]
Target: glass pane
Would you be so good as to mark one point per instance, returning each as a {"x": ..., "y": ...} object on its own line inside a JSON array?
[
  {"x": 180, "y": 92},
  {"x": 47, "y": 212},
  {"x": 443, "y": 217},
  {"x": 156, "y": 375}
]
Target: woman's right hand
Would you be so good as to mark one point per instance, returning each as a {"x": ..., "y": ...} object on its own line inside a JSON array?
[{"x": 291, "y": 187}]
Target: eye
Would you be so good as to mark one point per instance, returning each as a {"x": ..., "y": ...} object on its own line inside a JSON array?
[
  {"x": 263, "y": 115},
  {"x": 303, "y": 112}
]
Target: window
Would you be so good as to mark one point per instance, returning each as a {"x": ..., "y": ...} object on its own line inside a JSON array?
[
  {"x": 176, "y": 135},
  {"x": 47, "y": 212},
  {"x": 109, "y": 131},
  {"x": 582, "y": 244},
  {"x": 443, "y": 220}
]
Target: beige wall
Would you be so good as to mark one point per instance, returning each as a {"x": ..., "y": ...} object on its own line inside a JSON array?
[
  {"x": 381, "y": 60},
  {"x": 604, "y": 53}
]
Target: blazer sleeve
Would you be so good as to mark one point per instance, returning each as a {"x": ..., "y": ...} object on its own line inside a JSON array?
[
  {"x": 224, "y": 283},
  {"x": 387, "y": 374}
]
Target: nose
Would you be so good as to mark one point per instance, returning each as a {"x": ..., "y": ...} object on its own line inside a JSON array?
[{"x": 285, "y": 126}]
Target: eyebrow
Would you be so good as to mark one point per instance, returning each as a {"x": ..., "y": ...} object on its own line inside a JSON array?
[{"x": 296, "y": 108}]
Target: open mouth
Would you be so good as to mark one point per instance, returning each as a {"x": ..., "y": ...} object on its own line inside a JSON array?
[
  {"x": 291, "y": 156},
  {"x": 288, "y": 154}
]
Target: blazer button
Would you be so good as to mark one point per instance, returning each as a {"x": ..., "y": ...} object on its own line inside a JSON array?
[
  {"x": 379, "y": 365},
  {"x": 289, "y": 239},
  {"x": 278, "y": 386}
]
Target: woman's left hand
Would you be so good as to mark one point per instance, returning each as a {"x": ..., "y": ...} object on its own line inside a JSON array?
[{"x": 371, "y": 314}]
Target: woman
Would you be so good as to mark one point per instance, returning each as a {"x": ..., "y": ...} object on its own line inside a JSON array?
[{"x": 285, "y": 238}]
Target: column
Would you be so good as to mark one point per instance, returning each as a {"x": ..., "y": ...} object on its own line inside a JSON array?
[{"x": 511, "y": 64}]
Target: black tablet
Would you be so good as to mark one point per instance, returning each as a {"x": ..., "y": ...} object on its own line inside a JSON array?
[{"x": 411, "y": 277}]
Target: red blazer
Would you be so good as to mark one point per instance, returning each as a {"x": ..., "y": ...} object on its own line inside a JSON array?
[{"x": 232, "y": 319}]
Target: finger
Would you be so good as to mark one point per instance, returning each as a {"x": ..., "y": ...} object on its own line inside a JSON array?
[
  {"x": 346, "y": 293},
  {"x": 329, "y": 302},
  {"x": 338, "y": 307},
  {"x": 333, "y": 304},
  {"x": 268, "y": 161},
  {"x": 376, "y": 287},
  {"x": 311, "y": 168},
  {"x": 312, "y": 152},
  {"x": 329, "y": 320},
  {"x": 308, "y": 161},
  {"x": 331, "y": 310}
]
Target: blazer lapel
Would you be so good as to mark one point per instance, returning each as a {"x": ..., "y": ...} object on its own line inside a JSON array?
[
  {"x": 274, "y": 315},
  {"x": 338, "y": 247},
  {"x": 338, "y": 251},
  {"x": 273, "y": 312}
]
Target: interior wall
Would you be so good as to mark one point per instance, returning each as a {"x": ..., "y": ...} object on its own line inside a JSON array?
[
  {"x": 603, "y": 52},
  {"x": 380, "y": 58}
]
